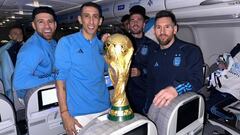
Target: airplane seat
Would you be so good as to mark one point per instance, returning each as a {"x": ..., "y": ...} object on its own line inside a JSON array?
[
  {"x": 1, "y": 87},
  {"x": 19, "y": 105},
  {"x": 204, "y": 90},
  {"x": 139, "y": 125},
  {"x": 184, "y": 115},
  {"x": 231, "y": 124},
  {"x": 42, "y": 111},
  {"x": 7, "y": 117},
  {"x": 7, "y": 70},
  {"x": 206, "y": 72},
  {"x": 225, "y": 113}
]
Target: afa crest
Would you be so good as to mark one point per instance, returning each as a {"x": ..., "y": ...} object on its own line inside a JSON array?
[
  {"x": 144, "y": 50},
  {"x": 177, "y": 60}
]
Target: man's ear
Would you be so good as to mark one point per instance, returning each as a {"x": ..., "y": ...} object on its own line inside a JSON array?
[
  {"x": 175, "y": 28},
  {"x": 10, "y": 37},
  {"x": 100, "y": 21},
  {"x": 79, "y": 19},
  {"x": 33, "y": 25}
]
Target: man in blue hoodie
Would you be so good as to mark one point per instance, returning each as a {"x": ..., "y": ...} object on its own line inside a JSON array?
[{"x": 34, "y": 66}]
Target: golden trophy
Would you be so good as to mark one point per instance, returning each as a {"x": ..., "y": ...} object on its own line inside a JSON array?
[{"x": 118, "y": 53}]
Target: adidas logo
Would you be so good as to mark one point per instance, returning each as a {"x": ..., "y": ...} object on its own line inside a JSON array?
[{"x": 156, "y": 64}]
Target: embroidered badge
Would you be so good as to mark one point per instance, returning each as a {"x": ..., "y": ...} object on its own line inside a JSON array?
[
  {"x": 144, "y": 50},
  {"x": 177, "y": 60},
  {"x": 156, "y": 64}
]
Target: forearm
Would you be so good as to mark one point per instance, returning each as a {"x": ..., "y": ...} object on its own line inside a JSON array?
[
  {"x": 30, "y": 81},
  {"x": 61, "y": 94}
]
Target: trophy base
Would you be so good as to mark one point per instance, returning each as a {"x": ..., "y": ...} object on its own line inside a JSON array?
[{"x": 120, "y": 114}]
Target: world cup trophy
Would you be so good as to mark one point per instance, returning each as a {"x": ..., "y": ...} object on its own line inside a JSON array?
[{"x": 118, "y": 53}]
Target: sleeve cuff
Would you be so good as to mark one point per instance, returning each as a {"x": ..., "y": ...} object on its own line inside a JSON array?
[{"x": 183, "y": 87}]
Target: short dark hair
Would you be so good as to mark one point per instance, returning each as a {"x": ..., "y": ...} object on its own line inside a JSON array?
[
  {"x": 166, "y": 13},
  {"x": 125, "y": 17},
  {"x": 39, "y": 10},
  {"x": 91, "y": 4},
  {"x": 15, "y": 26},
  {"x": 137, "y": 9}
]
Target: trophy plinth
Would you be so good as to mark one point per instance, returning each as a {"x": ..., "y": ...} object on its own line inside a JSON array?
[{"x": 118, "y": 53}]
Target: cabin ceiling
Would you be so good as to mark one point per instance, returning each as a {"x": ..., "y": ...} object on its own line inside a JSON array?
[{"x": 17, "y": 11}]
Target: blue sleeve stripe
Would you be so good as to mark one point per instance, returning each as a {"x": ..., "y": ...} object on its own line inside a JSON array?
[{"x": 183, "y": 88}]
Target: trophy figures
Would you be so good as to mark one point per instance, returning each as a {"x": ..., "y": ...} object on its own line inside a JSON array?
[{"x": 118, "y": 53}]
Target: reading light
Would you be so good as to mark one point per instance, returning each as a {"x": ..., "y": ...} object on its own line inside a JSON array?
[
  {"x": 20, "y": 12},
  {"x": 36, "y": 4},
  {"x": 95, "y": 1},
  {"x": 236, "y": 15}
]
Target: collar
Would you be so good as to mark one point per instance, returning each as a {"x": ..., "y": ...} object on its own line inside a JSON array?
[
  {"x": 52, "y": 42},
  {"x": 93, "y": 39}
]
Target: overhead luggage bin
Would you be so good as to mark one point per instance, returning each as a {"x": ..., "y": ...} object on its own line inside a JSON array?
[
  {"x": 173, "y": 4},
  {"x": 220, "y": 9}
]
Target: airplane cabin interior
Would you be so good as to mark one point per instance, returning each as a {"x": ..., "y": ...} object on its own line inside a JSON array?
[{"x": 212, "y": 25}]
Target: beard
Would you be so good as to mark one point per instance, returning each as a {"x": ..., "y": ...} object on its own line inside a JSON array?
[
  {"x": 165, "y": 41},
  {"x": 136, "y": 31},
  {"x": 46, "y": 37}
]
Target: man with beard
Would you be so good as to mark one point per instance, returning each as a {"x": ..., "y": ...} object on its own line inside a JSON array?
[
  {"x": 175, "y": 67},
  {"x": 34, "y": 66},
  {"x": 81, "y": 88},
  {"x": 143, "y": 46}
]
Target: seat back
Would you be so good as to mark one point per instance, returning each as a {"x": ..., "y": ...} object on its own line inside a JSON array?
[
  {"x": 7, "y": 117},
  {"x": 7, "y": 70},
  {"x": 1, "y": 87},
  {"x": 205, "y": 73},
  {"x": 139, "y": 125},
  {"x": 43, "y": 115},
  {"x": 184, "y": 115}
]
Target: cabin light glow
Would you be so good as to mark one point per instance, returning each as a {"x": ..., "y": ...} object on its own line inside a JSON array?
[
  {"x": 36, "y": 4},
  {"x": 97, "y": 1},
  {"x": 236, "y": 15}
]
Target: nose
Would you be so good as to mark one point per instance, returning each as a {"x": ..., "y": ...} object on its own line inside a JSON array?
[
  {"x": 162, "y": 31},
  {"x": 91, "y": 20},
  {"x": 46, "y": 25}
]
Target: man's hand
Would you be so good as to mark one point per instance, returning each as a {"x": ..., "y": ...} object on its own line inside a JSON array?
[
  {"x": 105, "y": 37},
  {"x": 69, "y": 124},
  {"x": 165, "y": 96},
  {"x": 135, "y": 72}
]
